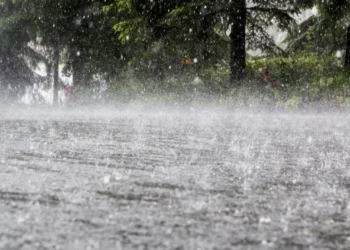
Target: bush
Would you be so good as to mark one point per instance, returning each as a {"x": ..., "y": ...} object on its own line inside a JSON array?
[{"x": 303, "y": 79}]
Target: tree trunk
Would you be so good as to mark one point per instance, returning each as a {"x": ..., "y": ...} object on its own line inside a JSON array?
[
  {"x": 78, "y": 75},
  {"x": 48, "y": 75},
  {"x": 205, "y": 38},
  {"x": 238, "y": 48},
  {"x": 347, "y": 53},
  {"x": 77, "y": 51},
  {"x": 56, "y": 59}
]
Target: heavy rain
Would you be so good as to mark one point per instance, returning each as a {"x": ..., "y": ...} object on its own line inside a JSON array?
[{"x": 155, "y": 124}]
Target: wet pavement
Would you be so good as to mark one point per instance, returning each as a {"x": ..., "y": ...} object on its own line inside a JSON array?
[{"x": 174, "y": 180}]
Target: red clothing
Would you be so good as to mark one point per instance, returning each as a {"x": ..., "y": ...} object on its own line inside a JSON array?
[{"x": 69, "y": 93}]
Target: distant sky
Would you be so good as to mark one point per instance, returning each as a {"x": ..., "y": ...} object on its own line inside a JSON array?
[{"x": 279, "y": 36}]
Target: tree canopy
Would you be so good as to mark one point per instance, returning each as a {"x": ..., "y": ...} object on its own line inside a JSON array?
[{"x": 156, "y": 38}]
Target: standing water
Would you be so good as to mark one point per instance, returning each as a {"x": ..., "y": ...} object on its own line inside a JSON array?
[{"x": 173, "y": 180}]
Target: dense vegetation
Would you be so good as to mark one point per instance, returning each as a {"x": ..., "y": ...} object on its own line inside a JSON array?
[{"x": 181, "y": 48}]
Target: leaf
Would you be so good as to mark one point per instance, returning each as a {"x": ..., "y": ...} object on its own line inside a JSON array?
[
  {"x": 107, "y": 8},
  {"x": 124, "y": 5}
]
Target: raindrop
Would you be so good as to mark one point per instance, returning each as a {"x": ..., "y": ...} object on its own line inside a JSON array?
[
  {"x": 309, "y": 140},
  {"x": 265, "y": 220},
  {"x": 106, "y": 179}
]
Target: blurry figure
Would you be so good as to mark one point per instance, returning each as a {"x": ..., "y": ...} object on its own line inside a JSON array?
[{"x": 69, "y": 93}]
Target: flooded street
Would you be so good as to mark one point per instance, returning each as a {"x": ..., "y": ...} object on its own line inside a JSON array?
[{"x": 174, "y": 180}]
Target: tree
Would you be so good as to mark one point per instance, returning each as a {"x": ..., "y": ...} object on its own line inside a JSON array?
[
  {"x": 15, "y": 54},
  {"x": 34, "y": 21},
  {"x": 153, "y": 20},
  {"x": 325, "y": 33},
  {"x": 336, "y": 16},
  {"x": 74, "y": 33},
  {"x": 238, "y": 23},
  {"x": 248, "y": 22}
]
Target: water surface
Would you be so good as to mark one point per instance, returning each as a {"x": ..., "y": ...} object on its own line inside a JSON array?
[{"x": 173, "y": 180}]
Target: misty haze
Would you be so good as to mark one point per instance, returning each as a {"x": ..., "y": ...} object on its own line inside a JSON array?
[{"x": 158, "y": 124}]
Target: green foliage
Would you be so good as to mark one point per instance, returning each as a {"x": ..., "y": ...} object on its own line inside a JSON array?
[
  {"x": 196, "y": 29},
  {"x": 15, "y": 34},
  {"x": 79, "y": 29},
  {"x": 305, "y": 77},
  {"x": 124, "y": 5},
  {"x": 324, "y": 33},
  {"x": 151, "y": 39},
  {"x": 128, "y": 30}
]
